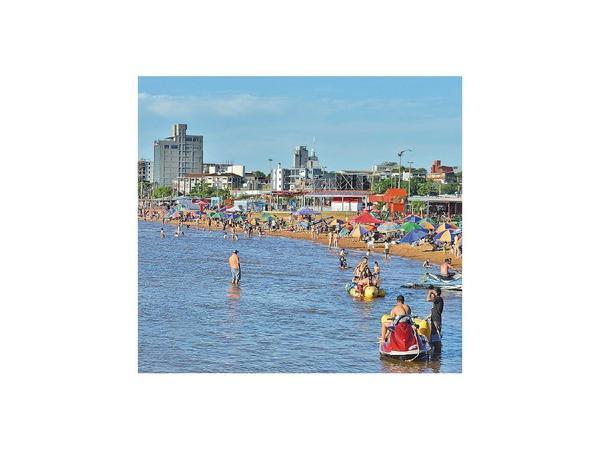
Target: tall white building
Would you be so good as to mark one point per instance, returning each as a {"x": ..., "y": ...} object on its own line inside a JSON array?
[{"x": 177, "y": 155}]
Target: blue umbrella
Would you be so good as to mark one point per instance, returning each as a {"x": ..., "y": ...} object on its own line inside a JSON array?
[
  {"x": 413, "y": 236},
  {"x": 306, "y": 212},
  {"x": 414, "y": 219}
]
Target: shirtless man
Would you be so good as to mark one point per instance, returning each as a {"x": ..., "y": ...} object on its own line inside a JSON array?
[
  {"x": 388, "y": 319},
  {"x": 234, "y": 266},
  {"x": 445, "y": 268},
  {"x": 162, "y": 233}
]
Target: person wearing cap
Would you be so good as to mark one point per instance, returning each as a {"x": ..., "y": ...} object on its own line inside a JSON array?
[
  {"x": 388, "y": 319},
  {"x": 234, "y": 266}
]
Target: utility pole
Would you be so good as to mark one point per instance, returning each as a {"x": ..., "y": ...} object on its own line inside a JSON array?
[
  {"x": 400, "y": 167},
  {"x": 409, "y": 175}
]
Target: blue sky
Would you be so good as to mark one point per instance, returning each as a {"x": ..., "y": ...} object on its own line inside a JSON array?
[{"x": 356, "y": 121}]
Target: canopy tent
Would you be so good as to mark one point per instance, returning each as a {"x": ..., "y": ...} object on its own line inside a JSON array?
[
  {"x": 235, "y": 208},
  {"x": 410, "y": 226},
  {"x": 358, "y": 231},
  {"x": 413, "y": 236},
  {"x": 413, "y": 219},
  {"x": 388, "y": 227},
  {"x": 366, "y": 217}
]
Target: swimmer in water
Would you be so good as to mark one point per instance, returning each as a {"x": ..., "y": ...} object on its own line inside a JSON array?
[
  {"x": 427, "y": 264},
  {"x": 162, "y": 233}
]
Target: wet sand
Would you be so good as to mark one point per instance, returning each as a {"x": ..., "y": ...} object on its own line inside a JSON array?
[{"x": 407, "y": 251}]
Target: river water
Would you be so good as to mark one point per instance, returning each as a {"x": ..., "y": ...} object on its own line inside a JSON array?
[{"x": 290, "y": 313}]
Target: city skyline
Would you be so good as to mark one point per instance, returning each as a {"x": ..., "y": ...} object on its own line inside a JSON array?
[{"x": 356, "y": 122}]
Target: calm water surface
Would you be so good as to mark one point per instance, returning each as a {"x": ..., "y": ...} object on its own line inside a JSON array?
[{"x": 290, "y": 313}]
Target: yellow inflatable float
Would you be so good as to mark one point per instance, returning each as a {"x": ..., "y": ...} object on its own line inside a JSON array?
[{"x": 370, "y": 293}]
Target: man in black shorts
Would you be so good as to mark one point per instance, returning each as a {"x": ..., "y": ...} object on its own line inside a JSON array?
[{"x": 435, "y": 296}]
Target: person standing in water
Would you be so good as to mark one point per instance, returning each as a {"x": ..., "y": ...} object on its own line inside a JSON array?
[
  {"x": 435, "y": 296},
  {"x": 234, "y": 266},
  {"x": 376, "y": 274},
  {"x": 162, "y": 233},
  {"x": 386, "y": 249}
]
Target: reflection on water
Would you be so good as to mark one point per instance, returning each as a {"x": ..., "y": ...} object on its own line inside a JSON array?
[{"x": 290, "y": 312}]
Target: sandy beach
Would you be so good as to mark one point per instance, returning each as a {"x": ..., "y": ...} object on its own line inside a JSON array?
[{"x": 407, "y": 251}]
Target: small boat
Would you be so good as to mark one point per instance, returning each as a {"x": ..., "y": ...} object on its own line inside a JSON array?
[
  {"x": 453, "y": 283},
  {"x": 407, "y": 340}
]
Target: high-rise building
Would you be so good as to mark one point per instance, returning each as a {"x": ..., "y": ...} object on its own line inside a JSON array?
[
  {"x": 145, "y": 172},
  {"x": 300, "y": 157},
  {"x": 177, "y": 155}
]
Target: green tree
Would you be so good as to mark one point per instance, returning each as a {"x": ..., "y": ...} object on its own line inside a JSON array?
[
  {"x": 259, "y": 174},
  {"x": 382, "y": 185},
  {"x": 162, "y": 191}
]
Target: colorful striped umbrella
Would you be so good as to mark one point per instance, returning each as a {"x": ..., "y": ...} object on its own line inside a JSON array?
[
  {"x": 445, "y": 226},
  {"x": 444, "y": 236},
  {"x": 358, "y": 231}
]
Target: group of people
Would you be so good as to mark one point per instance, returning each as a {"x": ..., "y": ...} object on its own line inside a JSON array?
[
  {"x": 363, "y": 276},
  {"x": 434, "y": 296}
]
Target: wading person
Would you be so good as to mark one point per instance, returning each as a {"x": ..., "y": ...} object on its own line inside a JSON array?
[
  {"x": 386, "y": 249},
  {"x": 162, "y": 233},
  {"x": 376, "y": 274},
  {"x": 445, "y": 268},
  {"x": 435, "y": 296},
  {"x": 388, "y": 319},
  {"x": 234, "y": 266}
]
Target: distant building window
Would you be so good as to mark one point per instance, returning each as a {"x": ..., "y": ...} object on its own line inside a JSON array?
[
  {"x": 166, "y": 146},
  {"x": 174, "y": 146}
]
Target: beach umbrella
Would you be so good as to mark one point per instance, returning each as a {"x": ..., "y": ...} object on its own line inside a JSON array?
[
  {"x": 303, "y": 224},
  {"x": 409, "y": 226},
  {"x": 413, "y": 219},
  {"x": 358, "y": 231},
  {"x": 306, "y": 212},
  {"x": 413, "y": 236},
  {"x": 388, "y": 227},
  {"x": 334, "y": 222},
  {"x": 427, "y": 225},
  {"x": 366, "y": 217},
  {"x": 445, "y": 226},
  {"x": 444, "y": 236},
  {"x": 344, "y": 232}
]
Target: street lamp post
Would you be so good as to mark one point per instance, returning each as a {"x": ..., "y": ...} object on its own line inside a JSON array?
[
  {"x": 400, "y": 167},
  {"x": 410, "y": 163}
]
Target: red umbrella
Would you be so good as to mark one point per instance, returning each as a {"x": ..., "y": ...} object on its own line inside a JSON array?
[{"x": 366, "y": 217}]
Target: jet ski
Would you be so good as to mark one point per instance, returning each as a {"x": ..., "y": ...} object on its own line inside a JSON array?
[
  {"x": 452, "y": 283},
  {"x": 407, "y": 340}
]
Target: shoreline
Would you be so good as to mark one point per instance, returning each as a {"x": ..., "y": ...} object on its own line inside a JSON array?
[{"x": 403, "y": 250}]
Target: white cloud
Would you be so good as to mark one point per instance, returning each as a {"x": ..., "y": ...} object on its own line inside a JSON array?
[{"x": 232, "y": 105}]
